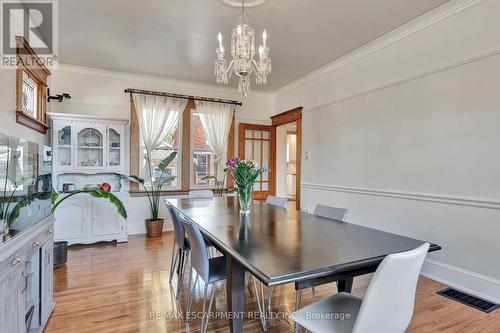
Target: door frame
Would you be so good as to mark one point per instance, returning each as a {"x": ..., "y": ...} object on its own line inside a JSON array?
[
  {"x": 272, "y": 150},
  {"x": 291, "y": 116}
]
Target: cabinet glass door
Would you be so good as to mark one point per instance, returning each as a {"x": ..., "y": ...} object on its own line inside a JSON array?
[
  {"x": 90, "y": 147},
  {"x": 114, "y": 147},
  {"x": 64, "y": 146}
]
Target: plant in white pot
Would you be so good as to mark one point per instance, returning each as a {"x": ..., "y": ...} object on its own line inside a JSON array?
[{"x": 153, "y": 190}]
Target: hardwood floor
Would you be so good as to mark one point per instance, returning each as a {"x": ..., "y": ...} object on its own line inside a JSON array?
[{"x": 124, "y": 288}]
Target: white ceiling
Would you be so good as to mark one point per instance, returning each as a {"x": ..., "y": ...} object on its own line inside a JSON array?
[{"x": 177, "y": 38}]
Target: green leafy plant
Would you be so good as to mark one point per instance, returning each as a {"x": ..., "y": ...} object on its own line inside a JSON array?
[
  {"x": 8, "y": 199},
  {"x": 245, "y": 174},
  {"x": 96, "y": 193},
  {"x": 153, "y": 190},
  {"x": 219, "y": 186}
]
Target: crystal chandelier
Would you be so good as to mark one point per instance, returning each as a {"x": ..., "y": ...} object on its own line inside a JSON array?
[{"x": 243, "y": 52}]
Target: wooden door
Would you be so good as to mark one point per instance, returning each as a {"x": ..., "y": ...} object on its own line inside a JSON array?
[{"x": 257, "y": 142}]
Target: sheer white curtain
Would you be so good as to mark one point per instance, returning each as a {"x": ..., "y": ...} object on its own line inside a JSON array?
[
  {"x": 216, "y": 121},
  {"x": 157, "y": 117}
]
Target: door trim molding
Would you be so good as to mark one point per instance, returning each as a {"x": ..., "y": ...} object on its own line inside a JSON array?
[{"x": 287, "y": 117}]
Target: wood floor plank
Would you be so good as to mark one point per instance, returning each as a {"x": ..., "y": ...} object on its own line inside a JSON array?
[{"x": 111, "y": 288}]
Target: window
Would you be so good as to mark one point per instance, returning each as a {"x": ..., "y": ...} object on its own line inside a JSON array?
[
  {"x": 29, "y": 96},
  {"x": 204, "y": 160},
  {"x": 171, "y": 144},
  {"x": 195, "y": 157},
  {"x": 31, "y": 85}
]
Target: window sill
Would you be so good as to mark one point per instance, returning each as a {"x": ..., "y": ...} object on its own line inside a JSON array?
[
  {"x": 30, "y": 122},
  {"x": 140, "y": 194}
]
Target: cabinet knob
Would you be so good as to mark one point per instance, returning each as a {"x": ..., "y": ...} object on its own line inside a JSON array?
[
  {"x": 49, "y": 232},
  {"x": 15, "y": 261},
  {"x": 35, "y": 244}
]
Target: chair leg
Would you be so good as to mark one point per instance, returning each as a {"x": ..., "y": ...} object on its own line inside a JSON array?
[
  {"x": 191, "y": 298},
  {"x": 190, "y": 271},
  {"x": 173, "y": 262},
  {"x": 209, "y": 308},
  {"x": 298, "y": 304},
  {"x": 204, "y": 306},
  {"x": 182, "y": 268},
  {"x": 269, "y": 298},
  {"x": 260, "y": 305}
]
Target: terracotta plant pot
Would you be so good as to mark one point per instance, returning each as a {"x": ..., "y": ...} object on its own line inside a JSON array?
[{"x": 154, "y": 228}]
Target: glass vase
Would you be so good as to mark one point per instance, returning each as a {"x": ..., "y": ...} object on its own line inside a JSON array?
[{"x": 245, "y": 199}]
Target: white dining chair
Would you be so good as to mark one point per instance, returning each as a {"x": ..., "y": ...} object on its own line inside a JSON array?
[
  {"x": 200, "y": 194},
  {"x": 329, "y": 212},
  {"x": 277, "y": 201},
  {"x": 386, "y": 308}
]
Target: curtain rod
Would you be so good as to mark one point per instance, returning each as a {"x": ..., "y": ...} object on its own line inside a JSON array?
[{"x": 196, "y": 98}]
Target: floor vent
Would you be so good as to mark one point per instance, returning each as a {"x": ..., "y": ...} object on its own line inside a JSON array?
[{"x": 472, "y": 301}]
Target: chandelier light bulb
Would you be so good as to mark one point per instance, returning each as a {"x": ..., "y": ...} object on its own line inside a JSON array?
[
  {"x": 219, "y": 37},
  {"x": 264, "y": 37},
  {"x": 239, "y": 29}
]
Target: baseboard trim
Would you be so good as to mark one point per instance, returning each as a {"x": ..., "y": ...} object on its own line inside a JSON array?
[
  {"x": 407, "y": 195},
  {"x": 476, "y": 284}
]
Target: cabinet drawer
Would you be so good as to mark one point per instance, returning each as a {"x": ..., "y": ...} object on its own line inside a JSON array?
[{"x": 12, "y": 261}]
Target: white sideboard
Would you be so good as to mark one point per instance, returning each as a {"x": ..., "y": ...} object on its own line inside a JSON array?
[
  {"x": 27, "y": 279},
  {"x": 88, "y": 151},
  {"x": 83, "y": 219}
]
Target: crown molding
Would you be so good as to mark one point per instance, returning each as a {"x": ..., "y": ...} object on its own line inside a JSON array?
[
  {"x": 178, "y": 84},
  {"x": 433, "y": 16}
]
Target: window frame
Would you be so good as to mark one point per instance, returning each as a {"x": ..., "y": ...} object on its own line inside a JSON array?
[
  {"x": 184, "y": 158},
  {"x": 25, "y": 57},
  {"x": 191, "y": 155},
  {"x": 178, "y": 157}
]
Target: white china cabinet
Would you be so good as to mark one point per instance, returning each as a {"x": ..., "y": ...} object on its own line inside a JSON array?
[{"x": 88, "y": 151}]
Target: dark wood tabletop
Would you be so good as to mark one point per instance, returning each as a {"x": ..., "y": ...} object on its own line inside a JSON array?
[{"x": 280, "y": 246}]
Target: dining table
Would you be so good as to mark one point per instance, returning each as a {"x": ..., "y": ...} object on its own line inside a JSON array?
[{"x": 279, "y": 245}]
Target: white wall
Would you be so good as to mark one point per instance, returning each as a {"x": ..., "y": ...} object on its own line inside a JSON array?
[
  {"x": 404, "y": 132},
  {"x": 101, "y": 93}
]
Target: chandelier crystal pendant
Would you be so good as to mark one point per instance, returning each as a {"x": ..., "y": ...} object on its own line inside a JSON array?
[{"x": 243, "y": 63}]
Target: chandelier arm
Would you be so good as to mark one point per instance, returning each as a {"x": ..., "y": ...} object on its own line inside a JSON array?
[
  {"x": 256, "y": 66},
  {"x": 230, "y": 69}
]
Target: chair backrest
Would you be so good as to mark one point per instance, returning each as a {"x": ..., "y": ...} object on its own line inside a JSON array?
[
  {"x": 277, "y": 201},
  {"x": 201, "y": 194},
  {"x": 329, "y": 212},
  {"x": 389, "y": 300},
  {"x": 199, "y": 253},
  {"x": 179, "y": 235}
]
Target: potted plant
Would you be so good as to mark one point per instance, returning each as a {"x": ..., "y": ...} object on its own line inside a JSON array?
[
  {"x": 219, "y": 186},
  {"x": 245, "y": 174},
  {"x": 154, "y": 224}
]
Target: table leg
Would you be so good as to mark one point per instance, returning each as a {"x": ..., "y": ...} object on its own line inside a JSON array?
[
  {"x": 235, "y": 294},
  {"x": 345, "y": 285}
]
